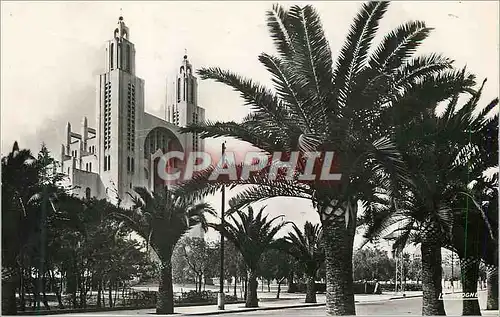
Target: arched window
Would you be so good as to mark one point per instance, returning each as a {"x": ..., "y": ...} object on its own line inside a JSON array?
[{"x": 87, "y": 193}]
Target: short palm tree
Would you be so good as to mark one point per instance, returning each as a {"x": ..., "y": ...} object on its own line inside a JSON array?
[
  {"x": 427, "y": 211},
  {"x": 306, "y": 247},
  {"x": 349, "y": 107},
  {"x": 252, "y": 234},
  {"x": 162, "y": 218}
]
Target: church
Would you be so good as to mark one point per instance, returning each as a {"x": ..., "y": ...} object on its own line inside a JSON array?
[{"x": 109, "y": 156}]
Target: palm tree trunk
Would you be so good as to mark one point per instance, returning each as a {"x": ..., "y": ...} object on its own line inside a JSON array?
[
  {"x": 431, "y": 279},
  {"x": 469, "y": 268},
  {"x": 165, "y": 302},
  {"x": 311, "y": 290},
  {"x": 338, "y": 251},
  {"x": 492, "y": 286},
  {"x": 9, "y": 305},
  {"x": 251, "y": 300}
]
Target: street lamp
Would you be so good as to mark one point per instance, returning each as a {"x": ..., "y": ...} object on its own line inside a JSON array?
[{"x": 220, "y": 298}]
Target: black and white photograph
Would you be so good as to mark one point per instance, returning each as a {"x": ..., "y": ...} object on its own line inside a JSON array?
[{"x": 250, "y": 158}]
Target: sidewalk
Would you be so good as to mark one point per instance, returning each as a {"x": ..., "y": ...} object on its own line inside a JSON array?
[
  {"x": 235, "y": 308},
  {"x": 268, "y": 303}
]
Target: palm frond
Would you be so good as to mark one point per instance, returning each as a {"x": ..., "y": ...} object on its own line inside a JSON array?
[
  {"x": 279, "y": 28},
  {"x": 270, "y": 139},
  {"x": 355, "y": 49},
  {"x": 398, "y": 45},
  {"x": 257, "y": 97},
  {"x": 275, "y": 189}
]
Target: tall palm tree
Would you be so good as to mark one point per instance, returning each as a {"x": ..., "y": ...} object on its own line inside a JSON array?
[
  {"x": 252, "y": 234},
  {"x": 429, "y": 211},
  {"x": 476, "y": 232},
  {"x": 306, "y": 247},
  {"x": 162, "y": 218},
  {"x": 349, "y": 107},
  {"x": 19, "y": 177}
]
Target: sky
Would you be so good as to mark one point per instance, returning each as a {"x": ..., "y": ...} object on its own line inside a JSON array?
[{"x": 51, "y": 53}]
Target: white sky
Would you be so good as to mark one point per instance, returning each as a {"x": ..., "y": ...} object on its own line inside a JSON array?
[{"x": 51, "y": 53}]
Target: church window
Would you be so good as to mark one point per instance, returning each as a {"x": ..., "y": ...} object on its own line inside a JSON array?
[
  {"x": 128, "y": 164},
  {"x": 128, "y": 58},
  {"x": 111, "y": 55},
  {"x": 192, "y": 90},
  {"x": 90, "y": 167},
  {"x": 88, "y": 193},
  {"x": 178, "y": 90},
  {"x": 119, "y": 56},
  {"x": 184, "y": 90}
]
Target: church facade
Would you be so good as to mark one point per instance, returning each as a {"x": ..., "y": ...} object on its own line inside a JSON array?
[{"x": 109, "y": 156}]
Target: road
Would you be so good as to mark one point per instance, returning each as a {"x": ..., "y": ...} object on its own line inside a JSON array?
[{"x": 396, "y": 307}]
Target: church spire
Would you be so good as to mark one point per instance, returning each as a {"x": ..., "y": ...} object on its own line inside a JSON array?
[
  {"x": 120, "y": 52},
  {"x": 122, "y": 30}
]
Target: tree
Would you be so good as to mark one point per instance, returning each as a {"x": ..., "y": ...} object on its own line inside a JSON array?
[
  {"x": 275, "y": 264},
  {"x": 306, "y": 247},
  {"x": 19, "y": 176},
  {"x": 252, "y": 234},
  {"x": 233, "y": 263},
  {"x": 348, "y": 107},
  {"x": 180, "y": 268},
  {"x": 196, "y": 253},
  {"x": 427, "y": 211},
  {"x": 372, "y": 264},
  {"x": 161, "y": 218}
]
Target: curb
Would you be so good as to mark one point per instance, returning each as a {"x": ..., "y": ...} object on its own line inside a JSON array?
[
  {"x": 244, "y": 310},
  {"x": 408, "y": 296}
]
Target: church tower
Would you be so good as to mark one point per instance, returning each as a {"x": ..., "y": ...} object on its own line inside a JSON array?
[
  {"x": 183, "y": 108},
  {"x": 120, "y": 101}
]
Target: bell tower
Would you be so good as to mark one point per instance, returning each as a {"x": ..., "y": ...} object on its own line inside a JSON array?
[
  {"x": 120, "y": 101},
  {"x": 184, "y": 108}
]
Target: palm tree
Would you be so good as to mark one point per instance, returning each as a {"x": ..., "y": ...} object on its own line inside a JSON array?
[
  {"x": 251, "y": 234},
  {"x": 306, "y": 247},
  {"x": 428, "y": 212},
  {"x": 161, "y": 218},
  {"x": 348, "y": 107},
  {"x": 19, "y": 177},
  {"x": 476, "y": 224}
]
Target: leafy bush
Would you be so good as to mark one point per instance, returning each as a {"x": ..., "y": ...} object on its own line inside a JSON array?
[
  {"x": 205, "y": 297},
  {"x": 198, "y": 297},
  {"x": 142, "y": 299}
]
